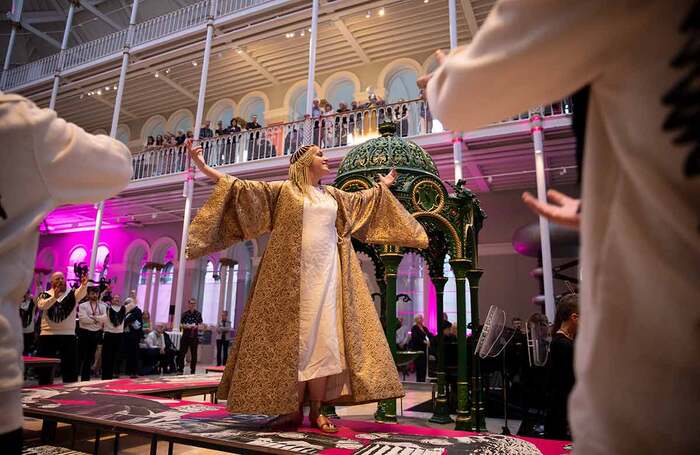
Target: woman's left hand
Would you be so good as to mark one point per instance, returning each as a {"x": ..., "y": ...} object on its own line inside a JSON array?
[{"x": 389, "y": 178}]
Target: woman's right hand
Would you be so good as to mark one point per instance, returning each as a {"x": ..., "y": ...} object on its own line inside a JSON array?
[{"x": 196, "y": 153}]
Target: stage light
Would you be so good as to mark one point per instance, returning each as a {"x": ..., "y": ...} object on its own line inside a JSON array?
[
  {"x": 302, "y": 33},
  {"x": 368, "y": 15},
  {"x": 107, "y": 88},
  {"x": 239, "y": 51},
  {"x": 114, "y": 87},
  {"x": 167, "y": 71},
  {"x": 426, "y": 1},
  {"x": 99, "y": 92},
  {"x": 489, "y": 179},
  {"x": 194, "y": 63},
  {"x": 381, "y": 11},
  {"x": 156, "y": 74}
]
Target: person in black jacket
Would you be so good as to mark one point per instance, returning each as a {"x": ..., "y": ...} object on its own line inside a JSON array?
[
  {"x": 133, "y": 333},
  {"x": 420, "y": 341},
  {"x": 561, "y": 368}
]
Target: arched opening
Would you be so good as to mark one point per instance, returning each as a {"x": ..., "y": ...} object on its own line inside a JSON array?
[
  {"x": 339, "y": 91},
  {"x": 401, "y": 85},
  {"x": 165, "y": 286},
  {"x": 102, "y": 261},
  {"x": 181, "y": 120},
  {"x": 450, "y": 296},
  {"x": 154, "y": 126},
  {"x": 209, "y": 292},
  {"x": 254, "y": 106},
  {"x": 222, "y": 111},
  {"x": 78, "y": 254},
  {"x": 297, "y": 103},
  {"x": 410, "y": 288}
]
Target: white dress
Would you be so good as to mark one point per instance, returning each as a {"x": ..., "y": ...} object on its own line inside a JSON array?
[{"x": 321, "y": 350}]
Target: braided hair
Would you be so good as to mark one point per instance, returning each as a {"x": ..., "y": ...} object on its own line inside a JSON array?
[{"x": 299, "y": 164}]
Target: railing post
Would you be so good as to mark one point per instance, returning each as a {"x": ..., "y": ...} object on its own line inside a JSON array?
[
  {"x": 313, "y": 39},
  {"x": 61, "y": 54},
  {"x": 189, "y": 181},
  {"x": 115, "y": 120},
  {"x": 537, "y": 130},
  {"x": 11, "y": 44}
]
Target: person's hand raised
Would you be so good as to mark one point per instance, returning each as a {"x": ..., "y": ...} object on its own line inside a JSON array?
[
  {"x": 423, "y": 81},
  {"x": 196, "y": 153},
  {"x": 389, "y": 178},
  {"x": 84, "y": 279},
  {"x": 562, "y": 210}
]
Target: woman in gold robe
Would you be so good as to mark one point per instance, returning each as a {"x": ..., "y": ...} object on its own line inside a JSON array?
[{"x": 310, "y": 325}]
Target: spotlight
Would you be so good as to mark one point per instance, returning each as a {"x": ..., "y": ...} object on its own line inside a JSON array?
[
  {"x": 302, "y": 33},
  {"x": 156, "y": 74},
  {"x": 563, "y": 171},
  {"x": 167, "y": 71},
  {"x": 99, "y": 92},
  {"x": 107, "y": 88},
  {"x": 194, "y": 63},
  {"x": 381, "y": 11},
  {"x": 239, "y": 51},
  {"x": 154, "y": 216},
  {"x": 309, "y": 29},
  {"x": 426, "y": 1},
  {"x": 114, "y": 87},
  {"x": 368, "y": 15},
  {"x": 89, "y": 93}
]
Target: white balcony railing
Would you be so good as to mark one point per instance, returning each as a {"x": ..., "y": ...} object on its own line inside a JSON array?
[
  {"x": 191, "y": 16},
  {"x": 412, "y": 118}
]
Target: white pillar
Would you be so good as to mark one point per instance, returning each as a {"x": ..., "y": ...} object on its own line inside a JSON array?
[
  {"x": 223, "y": 269},
  {"x": 15, "y": 18},
  {"x": 311, "y": 76},
  {"x": 230, "y": 297},
  {"x": 153, "y": 305},
  {"x": 536, "y": 129},
  {"x": 61, "y": 55},
  {"x": 149, "y": 283},
  {"x": 189, "y": 182},
  {"x": 456, "y": 137},
  {"x": 115, "y": 123}
]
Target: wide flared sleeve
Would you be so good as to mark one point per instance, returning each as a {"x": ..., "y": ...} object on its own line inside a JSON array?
[
  {"x": 376, "y": 216},
  {"x": 237, "y": 210}
]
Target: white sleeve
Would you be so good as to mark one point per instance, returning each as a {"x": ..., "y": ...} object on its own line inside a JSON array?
[
  {"x": 526, "y": 53},
  {"x": 150, "y": 340},
  {"x": 77, "y": 167}
]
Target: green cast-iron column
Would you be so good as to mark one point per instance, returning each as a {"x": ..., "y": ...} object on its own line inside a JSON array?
[
  {"x": 464, "y": 418},
  {"x": 386, "y": 411},
  {"x": 478, "y": 408},
  {"x": 441, "y": 413}
]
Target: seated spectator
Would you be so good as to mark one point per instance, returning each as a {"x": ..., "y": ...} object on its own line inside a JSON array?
[{"x": 159, "y": 353}]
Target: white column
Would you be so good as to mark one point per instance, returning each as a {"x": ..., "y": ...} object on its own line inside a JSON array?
[
  {"x": 536, "y": 129},
  {"x": 189, "y": 182},
  {"x": 153, "y": 305},
  {"x": 223, "y": 269},
  {"x": 14, "y": 18},
  {"x": 456, "y": 136},
  {"x": 115, "y": 123},
  {"x": 230, "y": 297},
  {"x": 147, "y": 296},
  {"x": 61, "y": 54},
  {"x": 313, "y": 39}
]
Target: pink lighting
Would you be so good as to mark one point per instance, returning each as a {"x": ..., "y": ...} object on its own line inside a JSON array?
[{"x": 432, "y": 308}]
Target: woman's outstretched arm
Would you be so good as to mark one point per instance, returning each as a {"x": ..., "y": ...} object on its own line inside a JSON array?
[{"x": 197, "y": 155}]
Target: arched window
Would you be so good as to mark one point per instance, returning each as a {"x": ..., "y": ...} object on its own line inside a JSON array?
[
  {"x": 184, "y": 124},
  {"x": 79, "y": 254},
  {"x": 141, "y": 286},
  {"x": 401, "y": 85},
  {"x": 450, "y": 296},
  {"x": 297, "y": 104},
  {"x": 102, "y": 261},
  {"x": 210, "y": 294},
  {"x": 254, "y": 106},
  {"x": 164, "y": 291},
  {"x": 154, "y": 126},
  {"x": 341, "y": 91},
  {"x": 409, "y": 288}
]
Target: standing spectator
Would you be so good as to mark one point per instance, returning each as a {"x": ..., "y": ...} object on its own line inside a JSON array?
[
  {"x": 27, "y": 312},
  {"x": 159, "y": 350},
  {"x": 150, "y": 143},
  {"x": 190, "y": 322},
  {"x": 113, "y": 321},
  {"x": 315, "y": 109},
  {"x": 420, "y": 341},
  {"x": 159, "y": 141},
  {"x": 253, "y": 137},
  {"x": 180, "y": 138},
  {"x": 57, "y": 336},
  {"x": 89, "y": 331},
  {"x": 146, "y": 318},
  {"x": 205, "y": 131},
  {"x": 220, "y": 130},
  {"x": 426, "y": 118},
  {"x": 133, "y": 333},
  {"x": 253, "y": 124},
  {"x": 223, "y": 330}
]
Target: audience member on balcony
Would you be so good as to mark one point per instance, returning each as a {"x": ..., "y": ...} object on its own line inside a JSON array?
[
  {"x": 89, "y": 331},
  {"x": 426, "y": 118},
  {"x": 159, "y": 141},
  {"x": 253, "y": 124},
  {"x": 205, "y": 131},
  {"x": 27, "y": 314},
  {"x": 113, "y": 326},
  {"x": 341, "y": 124},
  {"x": 253, "y": 137},
  {"x": 220, "y": 130},
  {"x": 133, "y": 334},
  {"x": 180, "y": 137},
  {"x": 190, "y": 321},
  {"x": 328, "y": 124},
  {"x": 292, "y": 140},
  {"x": 160, "y": 352},
  {"x": 315, "y": 109},
  {"x": 223, "y": 335},
  {"x": 150, "y": 143}
]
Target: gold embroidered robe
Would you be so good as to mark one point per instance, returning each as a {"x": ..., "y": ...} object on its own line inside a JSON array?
[{"x": 261, "y": 372}]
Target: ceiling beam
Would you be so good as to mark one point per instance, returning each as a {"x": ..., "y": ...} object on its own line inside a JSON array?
[
  {"x": 73, "y": 31},
  {"x": 41, "y": 17},
  {"x": 100, "y": 15},
  {"x": 99, "y": 99},
  {"x": 28, "y": 27},
  {"x": 174, "y": 84},
  {"x": 470, "y": 17},
  {"x": 477, "y": 180},
  {"x": 252, "y": 62},
  {"x": 347, "y": 34}
]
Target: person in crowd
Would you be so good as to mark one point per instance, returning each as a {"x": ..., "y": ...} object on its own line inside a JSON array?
[
  {"x": 315, "y": 109},
  {"x": 445, "y": 323},
  {"x": 289, "y": 338},
  {"x": 59, "y": 306},
  {"x": 420, "y": 341},
  {"x": 133, "y": 334},
  {"x": 426, "y": 118},
  {"x": 159, "y": 141},
  {"x": 146, "y": 318},
  {"x": 223, "y": 333},
  {"x": 159, "y": 350},
  {"x": 328, "y": 123},
  {"x": 43, "y": 160},
  {"x": 180, "y": 137},
  {"x": 253, "y": 138},
  {"x": 205, "y": 131},
  {"x": 561, "y": 367},
  {"x": 189, "y": 135},
  {"x": 634, "y": 71},
  {"x": 113, "y": 323},
  {"x": 27, "y": 313},
  {"x": 89, "y": 331},
  {"x": 292, "y": 140},
  {"x": 253, "y": 124},
  {"x": 220, "y": 130},
  {"x": 190, "y": 322},
  {"x": 354, "y": 119},
  {"x": 150, "y": 143}
]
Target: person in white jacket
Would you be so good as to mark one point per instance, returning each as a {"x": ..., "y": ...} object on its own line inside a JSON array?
[
  {"x": 636, "y": 355},
  {"x": 46, "y": 162}
]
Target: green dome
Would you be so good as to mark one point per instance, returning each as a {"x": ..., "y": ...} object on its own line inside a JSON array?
[{"x": 387, "y": 151}]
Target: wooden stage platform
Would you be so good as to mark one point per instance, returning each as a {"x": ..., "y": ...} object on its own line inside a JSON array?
[{"x": 105, "y": 406}]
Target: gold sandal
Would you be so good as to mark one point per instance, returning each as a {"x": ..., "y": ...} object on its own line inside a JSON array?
[{"x": 324, "y": 424}]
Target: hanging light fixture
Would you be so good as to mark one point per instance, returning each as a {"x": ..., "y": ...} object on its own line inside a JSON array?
[{"x": 381, "y": 11}]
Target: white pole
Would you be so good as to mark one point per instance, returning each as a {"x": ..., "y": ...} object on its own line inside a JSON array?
[
  {"x": 153, "y": 305},
  {"x": 313, "y": 39},
  {"x": 456, "y": 136},
  {"x": 147, "y": 296},
  {"x": 15, "y": 18},
  {"x": 222, "y": 288},
  {"x": 64, "y": 45},
  {"x": 538, "y": 141},
  {"x": 230, "y": 298},
  {"x": 189, "y": 182},
  {"x": 115, "y": 116}
]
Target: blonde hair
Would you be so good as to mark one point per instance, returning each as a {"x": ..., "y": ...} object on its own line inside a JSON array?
[{"x": 299, "y": 165}]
